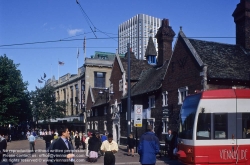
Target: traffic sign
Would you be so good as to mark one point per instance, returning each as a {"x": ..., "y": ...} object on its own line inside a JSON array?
[{"x": 138, "y": 115}]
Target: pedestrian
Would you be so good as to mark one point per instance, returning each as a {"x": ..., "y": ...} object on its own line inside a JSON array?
[
  {"x": 83, "y": 141},
  {"x": 94, "y": 147},
  {"x": 87, "y": 144},
  {"x": 32, "y": 141},
  {"x": 104, "y": 137},
  {"x": 47, "y": 139},
  {"x": 28, "y": 134},
  {"x": 109, "y": 148},
  {"x": 170, "y": 143},
  {"x": 77, "y": 141},
  {"x": 3, "y": 149},
  {"x": 131, "y": 145},
  {"x": 148, "y": 147},
  {"x": 63, "y": 150}
]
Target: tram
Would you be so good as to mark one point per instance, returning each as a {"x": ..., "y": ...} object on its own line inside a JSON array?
[{"x": 215, "y": 128}]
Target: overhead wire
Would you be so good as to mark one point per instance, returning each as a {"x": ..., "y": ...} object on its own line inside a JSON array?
[
  {"x": 77, "y": 39},
  {"x": 86, "y": 18}
]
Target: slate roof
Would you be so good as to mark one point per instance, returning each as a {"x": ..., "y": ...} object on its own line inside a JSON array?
[
  {"x": 150, "y": 51},
  {"x": 136, "y": 66},
  {"x": 149, "y": 80},
  {"x": 98, "y": 99},
  {"x": 225, "y": 61}
]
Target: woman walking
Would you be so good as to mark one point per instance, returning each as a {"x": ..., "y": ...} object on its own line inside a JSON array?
[
  {"x": 77, "y": 141},
  {"x": 131, "y": 145}
]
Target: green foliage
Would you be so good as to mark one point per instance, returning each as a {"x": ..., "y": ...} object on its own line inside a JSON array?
[
  {"x": 14, "y": 97},
  {"x": 44, "y": 104}
]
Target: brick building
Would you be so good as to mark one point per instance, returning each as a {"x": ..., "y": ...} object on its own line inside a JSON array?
[{"x": 192, "y": 66}]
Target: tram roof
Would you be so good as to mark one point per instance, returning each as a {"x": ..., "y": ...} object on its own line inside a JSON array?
[{"x": 226, "y": 93}]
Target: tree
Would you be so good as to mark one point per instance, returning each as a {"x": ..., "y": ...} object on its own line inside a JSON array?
[
  {"x": 44, "y": 104},
  {"x": 14, "y": 96}
]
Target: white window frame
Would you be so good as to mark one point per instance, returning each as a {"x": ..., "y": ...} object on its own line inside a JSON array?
[
  {"x": 165, "y": 126},
  {"x": 105, "y": 125},
  {"x": 96, "y": 125},
  {"x": 111, "y": 109},
  {"x": 88, "y": 125},
  {"x": 150, "y": 99},
  {"x": 111, "y": 88},
  {"x": 120, "y": 85},
  {"x": 182, "y": 94},
  {"x": 165, "y": 99},
  {"x": 92, "y": 125}
]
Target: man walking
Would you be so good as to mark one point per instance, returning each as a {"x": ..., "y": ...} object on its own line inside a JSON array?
[
  {"x": 169, "y": 143},
  {"x": 109, "y": 148},
  {"x": 63, "y": 150},
  {"x": 32, "y": 141},
  {"x": 148, "y": 147}
]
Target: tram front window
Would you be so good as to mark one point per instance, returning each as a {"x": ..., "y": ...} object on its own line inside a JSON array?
[
  {"x": 188, "y": 112},
  {"x": 204, "y": 126}
]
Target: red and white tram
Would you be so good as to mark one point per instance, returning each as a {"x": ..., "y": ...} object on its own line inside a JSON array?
[{"x": 215, "y": 128}]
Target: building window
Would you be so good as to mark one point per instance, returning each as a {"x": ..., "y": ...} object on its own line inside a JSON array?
[
  {"x": 152, "y": 101},
  {"x": 152, "y": 60},
  {"x": 165, "y": 98},
  {"x": 105, "y": 125},
  {"x": 92, "y": 125},
  {"x": 164, "y": 126},
  {"x": 92, "y": 113},
  {"x": 111, "y": 90},
  {"x": 182, "y": 93},
  {"x": 105, "y": 110},
  {"x": 88, "y": 125},
  {"x": 100, "y": 79},
  {"x": 120, "y": 85},
  {"x": 96, "y": 125},
  {"x": 96, "y": 112}
]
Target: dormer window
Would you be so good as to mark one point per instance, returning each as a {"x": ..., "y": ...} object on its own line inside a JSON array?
[{"x": 152, "y": 60}]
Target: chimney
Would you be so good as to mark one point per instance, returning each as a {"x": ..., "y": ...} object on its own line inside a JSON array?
[
  {"x": 164, "y": 36},
  {"x": 242, "y": 20}
]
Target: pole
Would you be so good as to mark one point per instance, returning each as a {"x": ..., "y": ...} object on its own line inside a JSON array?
[
  {"x": 128, "y": 91},
  {"x": 136, "y": 137},
  {"x": 58, "y": 71}
]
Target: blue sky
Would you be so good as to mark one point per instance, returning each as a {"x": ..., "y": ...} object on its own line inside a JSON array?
[{"x": 30, "y": 21}]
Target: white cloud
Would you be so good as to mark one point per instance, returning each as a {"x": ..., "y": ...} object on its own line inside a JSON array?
[{"x": 72, "y": 32}]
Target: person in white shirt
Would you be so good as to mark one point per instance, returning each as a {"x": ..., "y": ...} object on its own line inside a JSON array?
[
  {"x": 32, "y": 141},
  {"x": 109, "y": 148}
]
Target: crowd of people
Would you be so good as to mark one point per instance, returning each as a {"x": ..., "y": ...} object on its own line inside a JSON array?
[{"x": 95, "y": 145}]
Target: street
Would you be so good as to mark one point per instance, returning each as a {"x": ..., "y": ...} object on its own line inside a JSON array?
[{"x": 21, "y": 155}]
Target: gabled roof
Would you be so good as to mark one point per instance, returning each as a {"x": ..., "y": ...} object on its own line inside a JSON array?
[
  {"x": 136, "y": 66},
  {"x": 224, "y": 61},
  {"x": 150, "y": 51},
  {"x": 97, "y": 99},
  {"x": 150, "y": 80}
]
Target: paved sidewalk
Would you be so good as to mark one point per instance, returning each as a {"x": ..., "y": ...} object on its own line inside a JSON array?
[{"x": 22, "y": 156}]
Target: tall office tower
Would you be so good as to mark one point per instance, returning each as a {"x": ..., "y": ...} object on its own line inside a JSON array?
[{"x": 137, "y": 31}]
